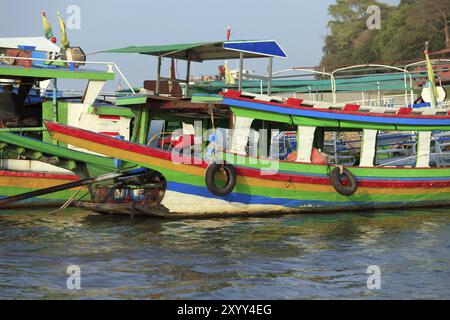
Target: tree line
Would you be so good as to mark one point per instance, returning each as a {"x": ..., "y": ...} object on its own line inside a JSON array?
[{"x": 400, "y": 36}]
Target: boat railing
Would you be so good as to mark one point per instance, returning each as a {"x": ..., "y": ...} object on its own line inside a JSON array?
[
  {"x": 389, "y": 100},
  {"x": 424, "y": 63},
  {"x": 308, "y": 71},
  {"x": 434, "y": 156},
  {"x": 408, "y": 87},
  {"x": 110, "y": 65}
]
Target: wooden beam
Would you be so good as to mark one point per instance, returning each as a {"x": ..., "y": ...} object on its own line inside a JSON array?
[
  {"x": 32, "y": 155},
  {"x": 241, "y": 69},
  {"x": 158, "y": 76},
  {"x": 188, "y": 72},
  {"x": 175, "y": 104}
]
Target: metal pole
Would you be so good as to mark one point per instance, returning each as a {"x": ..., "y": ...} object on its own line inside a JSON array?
[
  {"x": 379, "y": 93},
  {"x": 188, "y": 72},
  {"x": 158, "y": 76},
  {"x": 335, "y": 146},
  {"x": 269, "y": 81},
  {"x": 241, "y": 69},
  {"x": 55, "y": 100}
]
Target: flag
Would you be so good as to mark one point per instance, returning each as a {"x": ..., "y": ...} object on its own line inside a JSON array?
[
  {"x": 46, "y": 26},
  {"x": 431, "y": 80},
  {"x": 228, "y": 77},
  {"x": 64, "y": 40}
]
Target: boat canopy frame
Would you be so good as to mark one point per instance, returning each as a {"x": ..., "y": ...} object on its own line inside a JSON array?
[{"x": 209, "y": 51}]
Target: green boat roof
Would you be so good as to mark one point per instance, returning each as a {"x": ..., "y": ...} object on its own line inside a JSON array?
[
  {"x": 201, "y": 51},
  {"x": 7, "y": 71}
]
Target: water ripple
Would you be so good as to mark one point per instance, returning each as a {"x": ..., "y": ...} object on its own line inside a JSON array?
[{"x": 292, "y": 257}]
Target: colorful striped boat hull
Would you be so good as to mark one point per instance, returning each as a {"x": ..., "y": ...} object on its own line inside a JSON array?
[
  {"x": 17, "y": 182},
  {"x": 295, "y": 187}
]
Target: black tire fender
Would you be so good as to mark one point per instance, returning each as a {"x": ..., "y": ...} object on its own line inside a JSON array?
[
  {"x": 345, "y": 190},
  {"x": 210, "y": 178}
]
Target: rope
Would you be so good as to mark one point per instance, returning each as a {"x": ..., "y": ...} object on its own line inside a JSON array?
[
  {"x": 211, "y": 111},
  {"x": 67, "y": 203}
]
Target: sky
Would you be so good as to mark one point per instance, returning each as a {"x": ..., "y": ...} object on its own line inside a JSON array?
[{"x": 299, "y": 26}]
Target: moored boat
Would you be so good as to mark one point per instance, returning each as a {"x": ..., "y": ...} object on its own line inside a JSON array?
[
  {"x": 261, "y": 185},
  {"x": 30, "y": 160},
  {"x": 182, "y": 143}
]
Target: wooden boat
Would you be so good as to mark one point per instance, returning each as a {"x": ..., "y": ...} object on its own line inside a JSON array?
[
  {"x": 267, "y": 186},
  {"x": 30, "y": 159},
  {"x": 256, "y": 184}
]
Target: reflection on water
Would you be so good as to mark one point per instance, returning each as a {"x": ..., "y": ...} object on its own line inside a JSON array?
[{"x": 292, "y": 257}]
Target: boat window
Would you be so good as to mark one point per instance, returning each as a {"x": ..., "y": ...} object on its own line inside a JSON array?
[
  {"x": 440, "y": 149},
  {"x": 328, "y": 147},
  {"x": 396, "y": 148},
  {"x": 156, "y": 129},
  {"x": 342, "y": 147},
  {"x": 283, "y": 144},
  {"x": 270, "y": 139}
]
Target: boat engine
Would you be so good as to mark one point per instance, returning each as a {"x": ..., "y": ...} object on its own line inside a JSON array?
[{"x": 147, "y": 188}]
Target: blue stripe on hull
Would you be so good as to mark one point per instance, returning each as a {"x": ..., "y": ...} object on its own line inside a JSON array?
[{"x": 262, "y": 200}]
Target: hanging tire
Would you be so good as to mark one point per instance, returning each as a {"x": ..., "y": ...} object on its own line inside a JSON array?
[
  {"x": 345, "y": 190},
  {"x": 210, "y": 179}
]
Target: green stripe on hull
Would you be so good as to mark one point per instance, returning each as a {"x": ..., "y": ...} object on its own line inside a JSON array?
[{"x": 60, "y": 195}]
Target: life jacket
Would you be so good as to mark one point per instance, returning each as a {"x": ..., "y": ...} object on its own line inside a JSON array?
[{"x": 317, "y": 157}]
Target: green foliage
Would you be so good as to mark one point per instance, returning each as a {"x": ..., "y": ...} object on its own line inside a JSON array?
[{"x": 404, "y": 30}]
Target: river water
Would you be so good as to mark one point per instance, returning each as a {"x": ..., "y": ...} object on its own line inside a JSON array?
[{"x": 291, "y": 257}]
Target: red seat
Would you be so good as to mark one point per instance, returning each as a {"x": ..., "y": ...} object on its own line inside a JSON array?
[{"x": 185, "y": 140}]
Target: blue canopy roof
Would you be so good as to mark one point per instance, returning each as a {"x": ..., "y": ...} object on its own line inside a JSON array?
[{"x": 262, "y": 47}]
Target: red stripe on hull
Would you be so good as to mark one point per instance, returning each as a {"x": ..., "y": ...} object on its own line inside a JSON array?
[{"x": 38, "y": 175}]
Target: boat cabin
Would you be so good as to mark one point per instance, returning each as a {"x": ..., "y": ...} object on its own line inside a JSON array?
[
  {"x": 30, "y": 73},
  {"x": 167, "y": 100}
]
